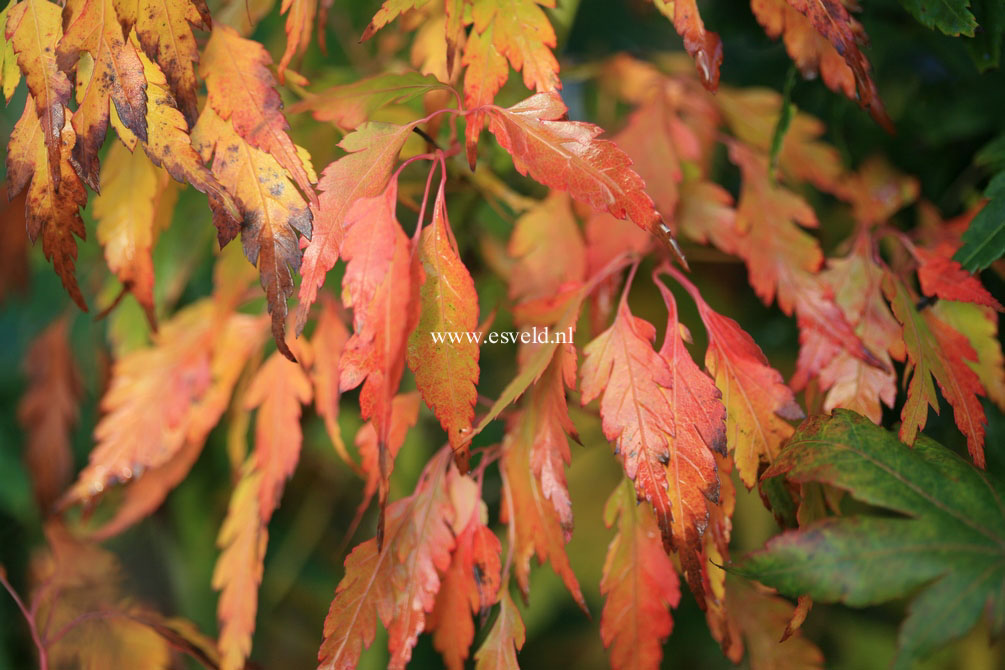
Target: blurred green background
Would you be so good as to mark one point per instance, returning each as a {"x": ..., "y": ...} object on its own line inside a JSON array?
[{"x": 944, "y": 109}]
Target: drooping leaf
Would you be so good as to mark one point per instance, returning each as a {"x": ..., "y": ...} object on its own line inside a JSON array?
[
  {"x": 980, "y": 326},
  {"x": 378, "y": 462},
  {"x": 273, "y": 211},
  {"x": 52, "y": 207},
  {"x": 243, "y": 91},
  {"x": 547, "y": 248},
  {"x": 446, "y": 372},
  {"x": 135, "y": 203},
  {"x": 350, "y": 106},
  {"x": 506, "y": 638},
  {"x": 330, "y": 336},
  {"x": 639, "y": 583},
  {"x": 34, "y": 27},
  {"x": 984, "y": 241},
  {"x": 704, "y": 46},
  {"x": 164, "y": 29},
  {"x": 363, "y": 173},
  {"x": 300, "y": 15},
  {"x": 758, "y": 403},
  {"x": 943, "y": 547},
  {"x": 470, "y": 585},
  {"x": 699, "y": 432},
  {"x": 10, "y": 74},
  {"x": 48, "y": 410},
  {"x": 565, "y": 155},
  {"x": 398, "y": 582},
  {"x": 941, "y": 276},
  {"x": 116, "y": 77},
  {"x": 935, "y": 349},
  {"x": 951, "y": 17}
]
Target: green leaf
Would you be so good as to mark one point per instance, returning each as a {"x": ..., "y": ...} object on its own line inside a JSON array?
[
  {"x": 984, "y": 241},
  {"x": 948, "y": 547},
  {"x": 986, "y": 47},
  {"x": 952, "y": 17}
]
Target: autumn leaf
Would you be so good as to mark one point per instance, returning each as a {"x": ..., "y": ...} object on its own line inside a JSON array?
[
  {"x": 49, "y": 410},
  {"x": 34, "y": 27},
  {"x": 273, "y": 211},
  {"x": 161, "y": 397},
  {"x": 389, "y": 11},
  {"x": 940, "y": 276},
  {"x": 631, "y": 379},
  {"x": 377, "y": 463},
  {"x": 940, "y": 543},
  {"x": 506, "y": 638},
  {"x": 164, "y": 29},
  {"x": 300, "y": 16},
  {"x": 10, "y": 74},
  {"x": 548, "y": 249},
  {"x": 243, "y": 91},
  {"x": 116, "y": 76},
  {"x": 52, "y": 208},
  {"x": 470, "y": 585},
  {"x": 330, "y": 336},
  {"x": 699, "y": 432},
  {"x": 935, "y": 349},
  {"x": 565, "y": 155},
  {"x": 536, "y": 501},
  {"x": 758, "y": 403},
  {"x": 446, "y": 372},
  {"x": 134, "y": 205},
  {"x": 363, "y": 173},
  {"x": 704, "y": 46},
  {"x": 639, "y": 584},
  {"x": 398, "y": 582},
  {"x": 350, "y": 106},
  {"x": 980, "y": 326}
]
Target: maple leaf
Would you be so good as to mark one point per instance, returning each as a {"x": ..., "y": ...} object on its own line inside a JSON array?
[
  {"x": 398, "y": 582},
  {"x": 389, "y": 11},
  {"x": 116, "y": 76},
  {"x": 703, "y": 46},
  {"x": 565, "y": 155},
  {"x": 243, "y": 91},
  {"x": 274, "y": 212},
  {"x": 363, "y": 173},
  {"x": 34, "y": 27},
  {"x": 535, "y": 495},
  {"x": 941, "y": 276},
  {"x": 330, "y": 335},
  {"x": 10, "y": 74},
  {"x": 299, "y": 24},
  {"x": 235, "y": 340},
  {"x": 547, "y": 248},
  {"x": 832, "y": 21},
  {"x": 980, "y": 326},
  {"x": 350, "y": 106},
  {"x": 935, "y": 349},
  {"x": 381, "y": 286},
  {"x": 52, "y": 207},
  {"x": 164, "y": 30},
  {"x": 278, "y": 390},
  {"x": 470, "y": 585},
  {"x": 639, "y": 584},
  {"x": 48, "y": 410},
  {"x": 631, "y": 380},
  {"x": 169, "y": 145},
  {"x": 135, "y": 204},
  {"x": 942, "y": 548},
  {"x": 699, "y": 432},
  {"x": 506, "y": 638},
  {"x": 378, "y": 463},
  {"x": 715, "y": 554},
  {"x": 850, "y": 382},
  {"x": 160, "y": 397},
  {"x": 757, "y": 401},
  {"x": 446, "y": 372}
]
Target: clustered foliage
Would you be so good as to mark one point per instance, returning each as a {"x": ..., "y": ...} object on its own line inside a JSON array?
[{"x": 891, "y": 315}]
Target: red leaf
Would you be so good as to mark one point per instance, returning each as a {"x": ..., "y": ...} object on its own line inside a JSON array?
[
  {"x": 330, "y": 336},
  {"x": 547, "y": 248},
  {"x": 943, "y": 277},
  {"x": 639, "y": 583},
  {"x": 704, "y": 47},
  {"x": 378, "y": 463}
]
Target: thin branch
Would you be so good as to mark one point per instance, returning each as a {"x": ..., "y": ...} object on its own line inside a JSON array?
[{"x": 43, "y": 658}]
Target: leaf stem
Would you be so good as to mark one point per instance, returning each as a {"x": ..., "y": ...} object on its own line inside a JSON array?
[{"x": 43, "y": 657}]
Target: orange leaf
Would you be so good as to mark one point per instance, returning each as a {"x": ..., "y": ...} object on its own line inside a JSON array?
[
  {"x": 943, "y": 277},
  {"x": 936, "y": 349},
  {"x": 757, "y": 401},
  {"x": 48, "y": 411},
  {"x": 299, "y": 25},
  {"x": 330, "y": 336},
  {"x": 699, "y": 432},
  {"x": 639, "y": 583},
  {"x": 34, "y": 27},
  {"x": 164, "y": 29},
  {"x": 980, "y": 326},
  {"x": 547, "y": 248},
  {"x": 378, "y": 463},
  {"x": 243, "y": 91},
  {"x": 116, "y": 77},
  {"x": 470, "y": 585},
  {"x": 704, "y": 47},
  {"x": 398, "y": 582},
  {"x": 621, "y": 367},
  {"x": 506, "y": 638},
  {"x": 274, "y": 212},
  {"x": 363, "y": 173},
  {"x": 446, "y": 372},
  {"x": 135, "y": 203},
  {"x": 52, "y": 208}
]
